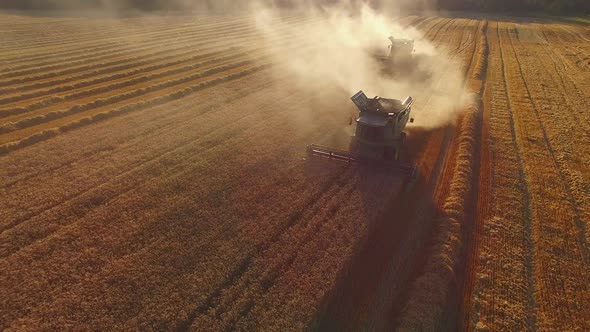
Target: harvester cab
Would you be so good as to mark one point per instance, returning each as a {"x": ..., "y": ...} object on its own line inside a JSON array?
[
  {"x": 379, "y": 135},
  {"x": 379, "y": 131}
]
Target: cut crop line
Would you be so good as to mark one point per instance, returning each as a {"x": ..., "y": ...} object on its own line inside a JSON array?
[
  {"x": 15, "y": 77},
  {"x": 224, "y": 64},
  {"x": 141, "y": 59},
  {"x": 99, "y": 47},
  {"x": 96, "y": 45},
  {"x": 48, "y": 133},
  {"x": 38, "y": 114},
  {"x": 198, "y": 37},
  {"x": 57, "y": 88},
  {"x": 119, "y": 65}
]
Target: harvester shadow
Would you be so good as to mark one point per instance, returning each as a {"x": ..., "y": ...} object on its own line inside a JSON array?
[{"x": 373, "y": 287}]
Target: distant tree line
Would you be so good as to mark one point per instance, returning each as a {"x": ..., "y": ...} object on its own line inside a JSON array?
[{"x": 551, "y": 6}]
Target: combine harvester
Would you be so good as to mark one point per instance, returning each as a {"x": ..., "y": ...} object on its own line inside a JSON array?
[
  {"x": 379, "y": 137},
  {"x": 399, "y": 57}
]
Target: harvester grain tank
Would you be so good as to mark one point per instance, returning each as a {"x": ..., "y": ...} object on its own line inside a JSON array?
[{"x": 379, "y": 135}]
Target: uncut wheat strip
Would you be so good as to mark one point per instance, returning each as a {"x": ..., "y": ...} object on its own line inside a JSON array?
[
  {"x": 504, "y": 298},
  {"x": 294, "y": 252},
  {"x": 448, "y": 242},
  {"x": 333, "y": 255},
  {"x": 256, "y": 131},
  {"x": 554, "y": 274},
  {"x": 63, "y": 48}
]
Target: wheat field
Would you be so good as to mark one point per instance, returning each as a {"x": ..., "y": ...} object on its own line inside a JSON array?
[{"x": 153, "y": 176}]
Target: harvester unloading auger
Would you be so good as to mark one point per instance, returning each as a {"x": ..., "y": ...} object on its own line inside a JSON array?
[{"x": 379, "y": 137}]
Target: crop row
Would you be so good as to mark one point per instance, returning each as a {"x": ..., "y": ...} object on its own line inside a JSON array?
[
  {"x": 209, "y": 66},
  {"x": 52, "y": 115},
  {"x": 48, "y": 133},
  {"x": 57, "y": 86},
  {"x": 95, "y": 45},
  {"x": 65, "y": 64},
  {"x": 115, "y": 85},
  {"x": 130, "y": 48},
  {"x": 127, "y": 63}
]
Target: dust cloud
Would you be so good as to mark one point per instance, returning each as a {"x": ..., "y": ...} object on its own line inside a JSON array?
[
  {"x": 339, "y": 46},
  {"x": 332, "y": 47}
]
